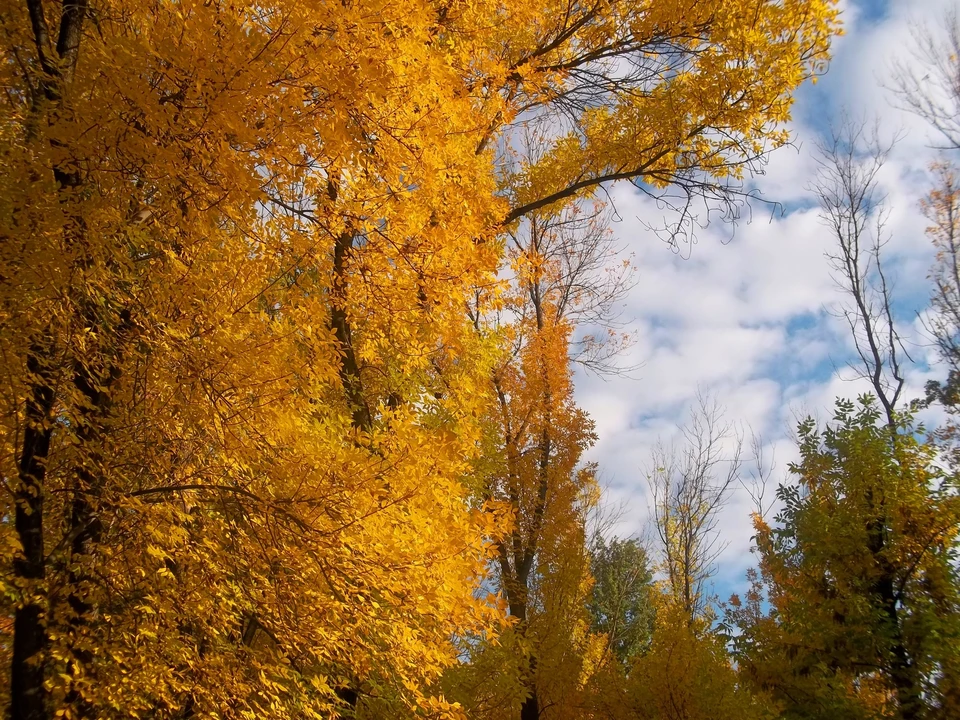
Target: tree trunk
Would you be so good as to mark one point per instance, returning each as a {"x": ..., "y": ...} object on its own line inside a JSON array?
[
  {"x": 530, "y": 710},
  {"x": 28, "y": 697},
  {"x": 901, "y": 671}
]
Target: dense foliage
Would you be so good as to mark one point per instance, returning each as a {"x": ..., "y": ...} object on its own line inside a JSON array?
[
  {"x": 859, "y": 573},
  {"x": 291, "y": 294}
]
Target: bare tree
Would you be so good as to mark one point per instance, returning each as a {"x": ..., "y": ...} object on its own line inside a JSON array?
[
  {"x": 564, "y": 275},
  {"x": 690, "y": 483},
  {"x": 852, "y": 207},
  {"x": 927, "y": 81},
  {"x": 942, "y": 208},
  {"x": 757, "y": 481}
]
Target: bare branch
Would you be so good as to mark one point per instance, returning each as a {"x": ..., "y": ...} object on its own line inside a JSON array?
[
  {"x": 853, "y": 210},
  {"x": 927, "y": 82},
  {"x": 690, "y": 484}
]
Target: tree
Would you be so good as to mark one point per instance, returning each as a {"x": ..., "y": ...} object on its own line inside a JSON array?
[
  {"x": 860, "y": 624},
  {"x": 622, "y": 608},
  {"x": 687, "y": 673},
  {"x": 620, "y": 603},
  {"x": 542, "y": 563},
  {"x": 927, "y": 85},
  {"x": 850, "y": 207},
  {"x": 233, "y": 469},
  {"x": 858, "y": 571},
  {"x": 241, "y": 398},
  {"x": 689, "y": 486}
]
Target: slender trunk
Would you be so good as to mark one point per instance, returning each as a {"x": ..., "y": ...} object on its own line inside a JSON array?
[
  {"x": 349, "y": 368},
  {"x": 28, "y": 697},
  {"x": 361, "y": 417}
]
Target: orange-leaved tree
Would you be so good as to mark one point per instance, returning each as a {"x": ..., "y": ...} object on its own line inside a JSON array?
[
  {"x": 240, "y": 394},
  {"x": 531, "y": 470},
  {"x": 239, "y": 387}
]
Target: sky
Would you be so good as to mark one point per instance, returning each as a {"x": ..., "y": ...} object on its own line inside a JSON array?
[{"x": 747, "y": 315}]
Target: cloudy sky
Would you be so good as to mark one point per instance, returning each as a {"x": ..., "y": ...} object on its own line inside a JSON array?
[{"x": 748, "y": 319}]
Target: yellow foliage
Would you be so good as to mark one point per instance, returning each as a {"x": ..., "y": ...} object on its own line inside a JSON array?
[
  {"x": 242, "y": 404},
  {"x": 687, "y": 674}
]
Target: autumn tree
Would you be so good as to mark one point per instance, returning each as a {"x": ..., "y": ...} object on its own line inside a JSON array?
[
  {"x": 241, "y": 399},
  {"x": 239, "y": 388},
  {"x": 688, "y": 673},
  {"x": 609, "y": 80},
  {"x": 557, "y": 308},
  {"x": 535, "y": 473}
]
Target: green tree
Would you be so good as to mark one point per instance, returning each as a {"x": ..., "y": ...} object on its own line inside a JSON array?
[
  {"x": 620, "y": 604},
  {"x": 860, "y": 574}
]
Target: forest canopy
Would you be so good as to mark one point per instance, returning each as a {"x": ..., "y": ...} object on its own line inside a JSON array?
[{"x": 291, "y": 298}]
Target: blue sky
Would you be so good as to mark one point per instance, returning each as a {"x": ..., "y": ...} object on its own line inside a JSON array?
[{"x": 749, "y": 320}]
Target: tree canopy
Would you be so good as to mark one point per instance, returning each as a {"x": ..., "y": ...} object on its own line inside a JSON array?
[{"x": 291, "y": 297}]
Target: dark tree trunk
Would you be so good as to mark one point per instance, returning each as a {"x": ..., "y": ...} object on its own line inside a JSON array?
[
  {"x": 530, "y": 710},
  {"x": 902, "y": 674},
  {"x": 28, "y": 698},
  {"x": 349, "y": 368},
  {"x": 901, "y": 669}
]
